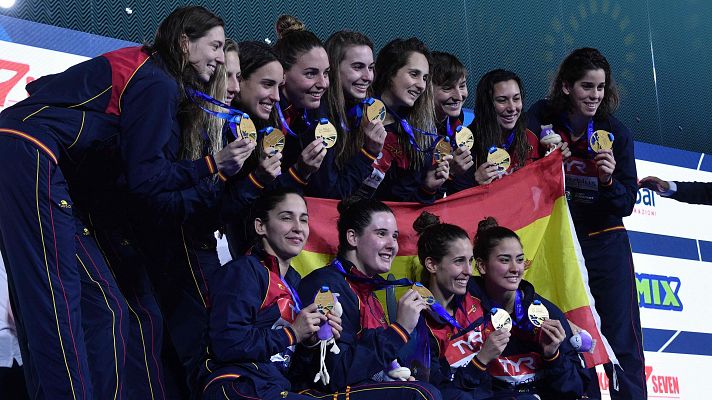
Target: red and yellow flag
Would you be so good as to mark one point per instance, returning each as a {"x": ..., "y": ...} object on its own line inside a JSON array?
[{"x": 531, "y": 202}]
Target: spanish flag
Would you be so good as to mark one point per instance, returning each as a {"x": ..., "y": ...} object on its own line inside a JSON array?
[{"x": 530, "y": 201}]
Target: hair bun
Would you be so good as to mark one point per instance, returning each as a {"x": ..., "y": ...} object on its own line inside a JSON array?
[
  {"x": 347, "y": 203},
  {"x": 487, "y": 223},
  {"x": 425, "y": 221},
  {"x": 286, "y": 24}
]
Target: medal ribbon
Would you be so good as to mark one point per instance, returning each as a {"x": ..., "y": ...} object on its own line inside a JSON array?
[
  {"x": 589, "y": 135},
  {"x": 377, "y": 283},
  {"x": 266, "y": 130},
  {"x": 382, "y": 283},
  {"x": 442, "y": 313},
  {"x": 510, "y": 139},
  {"x": 409, "y": 131},
  {"x": 305, "y": 118},
  {"x": 283, "y": 121},
  {"x": 293, "y": 293},
  {"x": 518, "y": 307},
  {"x": 356, "y": 112},
  {"x": 233, "y": 116},
  {"x": 589, "y": 132}
]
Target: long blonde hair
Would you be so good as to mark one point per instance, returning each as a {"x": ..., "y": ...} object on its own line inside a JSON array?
[
  {"x": 349, "y": 143},
  {"x": 421, "y": 116},
  {"x": 205, "y": 136}
]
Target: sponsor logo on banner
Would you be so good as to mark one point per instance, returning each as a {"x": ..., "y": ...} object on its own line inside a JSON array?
[
  {"x": 645, "y": 203},
  {"x": 12, "y": 74},
  {"x": 21, "y": 64},
  {"x": 659, "y": 385},
  {"x": 659, "y": 292}
]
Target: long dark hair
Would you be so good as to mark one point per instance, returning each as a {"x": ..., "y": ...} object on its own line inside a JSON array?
[
  {"x": 349, "y": 143},
  {"x": 194, "y": 22},
  {"x": 392, "y": 58},
  {"x": 355, "y": 213},
  {"x": 487, "y": 130},
  {"x": 573, "y": 68}
]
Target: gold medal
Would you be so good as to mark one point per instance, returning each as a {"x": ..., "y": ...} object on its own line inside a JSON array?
[
  {"x": 601, "y": 140},
  {"x": 375, "y": 109},
  {"x": 324, "y": 300},
  {"x": 464, "y": 137},
  {"x": 424, "y": 292},
  {"x": 326, "y": 132},
  {"x": 499, "y": 157},
  {"x": 247, "y": 128},
  {"x": 442, "y": 149},
  {"x": 501, "y": 319},
  {"x": 273, "y": 138},
  {"x": 537, "y": 313}
]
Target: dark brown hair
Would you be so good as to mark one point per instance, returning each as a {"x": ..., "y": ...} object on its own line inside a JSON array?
[
  {"x": 488, "y": 236},
  {"x": 573, "y": 68},
  {"x": 487, "y": 130}
]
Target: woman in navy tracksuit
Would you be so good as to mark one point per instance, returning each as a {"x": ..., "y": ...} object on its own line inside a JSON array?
[
  {"x": 601, "y": 189},
  {"x": 499, "y": 122},
  {"x": 368, "y": 243},
  {"x": 182, "y": 250},
  {"x": 407, "y": 162},
  {"x": 526, "y": 362},
  {"x": 70, "y": 127},
  {"x": 454, "y": 323},
  {"x": 261, "y": 75},
  {"x": 256, "y": 320},
  {"x": 449, "y": 95},
  {"x": 359, "y": 141},
  {"x": 306, "y": 78}
]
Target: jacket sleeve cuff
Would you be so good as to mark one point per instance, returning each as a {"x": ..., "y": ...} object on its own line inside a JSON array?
[
  {"x": 607, "y": 184},
  {"x": 293, "y": 173},
  {"x": 205, "y": 166},
  {"x": 291, "y": 335},
  {"x": 254, "y": 181},
  {"x": 671, "y": 191},
  {"x": 368, "y": 155},
  {"x": 400, "y": 331},
  {"x": 478, "y": 364},
  {"x": 552, "y": 358},
  {"x": 427, "y": 192}
]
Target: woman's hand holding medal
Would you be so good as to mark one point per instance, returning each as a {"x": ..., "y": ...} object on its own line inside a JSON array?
[
  {"x": 311, "y": 158},
  {"x": 270, "y": 165},
  {"x": 232, "y": 157},
  {"x": 374, "y": 135},
  {"x": 486, "y": 173},
  {"x": 461, "y": 161},
  {"x": 606, "y": 164},
  {"x": 437, "y": 176},
  {"x": 308, "y": 322},
  {"x": 551, "y": 334},
  {"x": 409, "y": 308},
  {"x": 493, "y": 346}
]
